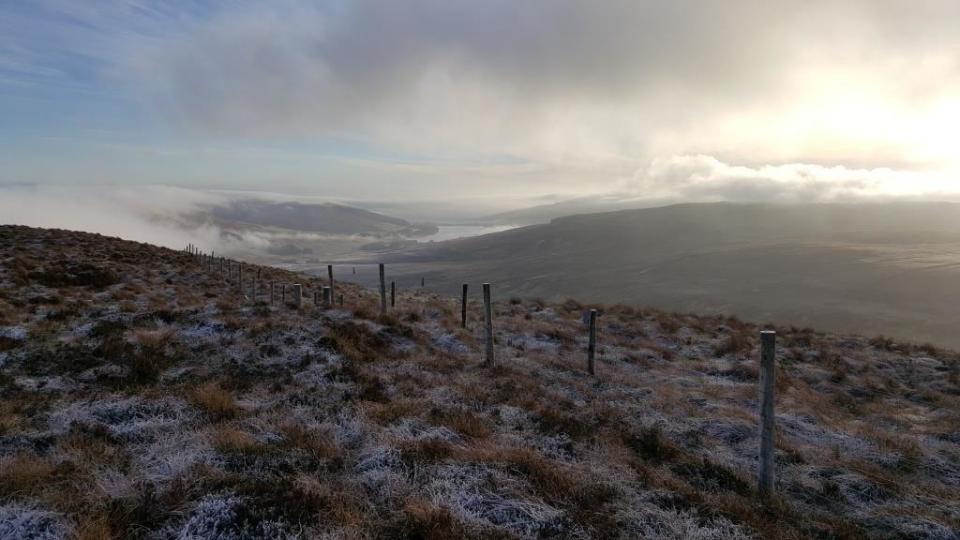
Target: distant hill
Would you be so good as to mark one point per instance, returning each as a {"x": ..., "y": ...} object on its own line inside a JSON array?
[
  {"x": 871, "y": 268},
  {"x": 544, "y": 213},
  {"x": 320, "y": 218}
]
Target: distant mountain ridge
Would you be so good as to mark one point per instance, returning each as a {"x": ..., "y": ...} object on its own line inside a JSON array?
[
  {"x": 870, "y": 268},
  {"x": 326, "y": 218}
]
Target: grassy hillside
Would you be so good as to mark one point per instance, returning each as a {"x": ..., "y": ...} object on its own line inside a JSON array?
[
  {"x": 870, "y": 268},
  {"x": 144, "y": 397}
]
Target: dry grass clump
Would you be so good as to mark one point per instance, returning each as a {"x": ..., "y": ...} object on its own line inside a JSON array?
[
  {"x": 462, "y": 421},
  {"x": 217, "y": 402},
  {"x": 426, "y": 521},
  {"x": 232, "y": 440},
  {"x": 356, "y": 341},
  {"x": 319, "y": 443},
  {"x": 736, "y": 342},
  {"x": 24, "y": 474}
]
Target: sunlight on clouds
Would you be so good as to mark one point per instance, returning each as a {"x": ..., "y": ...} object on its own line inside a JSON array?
[
  {"x": 705, "y": 178},
  {"x": 574, "y": 96}
]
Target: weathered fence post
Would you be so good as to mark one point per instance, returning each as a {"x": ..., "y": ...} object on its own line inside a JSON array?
[
  {"x": 393, "y": 293},
  {"x": 422, "y": 282},
  {"x": 328, "y": 297},
  {"x": 297, "y": 294},
  {"x": 330, "y": 279},
  {"x": 240, "y": 276},
  {"x": 341, "y": 300},
  {"x": 283, "y": 293},
  {"x": 383, "y": 292},
  {"x": 463, "y": 307},
  {"x": 253, "y": 290},
  {"x": 768, "y": 339},
  {"x": 488, "y": 323},
  {"x": 592, "y": 343},
  {"x": 271, "y": 292}
]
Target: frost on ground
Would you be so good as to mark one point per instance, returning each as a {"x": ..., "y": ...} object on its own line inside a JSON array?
[
  {"x": 29, "y": 523},
  {"x": 144, "y": 397}
]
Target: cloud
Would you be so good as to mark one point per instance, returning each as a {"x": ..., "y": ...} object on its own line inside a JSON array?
[
  {"x": 166, "y": 216},
  {"x": 152, "y": 214},
  {"x": 559, "y": 81},
  {"x": 705, "y": 178},
  {"x": 160, "y": 215},
  {"x": 444, "y": 99}
]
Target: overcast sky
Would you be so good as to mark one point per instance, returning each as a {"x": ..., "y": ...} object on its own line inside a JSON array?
[{"x": 436, "y": 99}]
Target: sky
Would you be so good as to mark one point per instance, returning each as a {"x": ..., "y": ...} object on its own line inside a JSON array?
[{"x": 504, "y": 101}]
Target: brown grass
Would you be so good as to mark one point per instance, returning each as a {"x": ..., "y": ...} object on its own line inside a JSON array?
[
  {"x": 94, "y": 528},
  {"x": 423, "y": 520},
  {"x": 218, "y": 403},
  {"x": 462, "y": 421},
  {"x": 232, "y": 440},
  {"x": 320, "y": 444},
  {"x": 356, "y": 341},
  {"x": 24, "y": 474}
]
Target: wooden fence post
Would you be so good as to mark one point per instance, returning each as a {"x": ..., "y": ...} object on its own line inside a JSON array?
[
  {"x": 463, "y": 307},
  {"x": 422, "y": 282},
  {"x": 393, "y": 293},
  {"x": 383, "y": 292},
  {"x": 283, "y": 293},
  {"x": 768, "y": 339},
  {"x": 488, "y": 323},
  {"x": 341, "y": 300},
  {"x": 240, "y": 276},
  {"x": 592, "y": 344},
  {"x": 297, "y": 294},
  {"x": 271, "y": 292},
  {"x": 327, "y": 297},
  {"x": 333, "y": 289}
]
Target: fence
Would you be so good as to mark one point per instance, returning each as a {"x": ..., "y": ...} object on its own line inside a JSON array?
[{"x": 767, "y": 421}]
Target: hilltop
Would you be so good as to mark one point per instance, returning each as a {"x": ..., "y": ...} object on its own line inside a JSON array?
[{"x": 144, "y": 396}]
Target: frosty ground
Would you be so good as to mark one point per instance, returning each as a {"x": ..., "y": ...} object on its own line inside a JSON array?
[{"x": 143, "y": 396}]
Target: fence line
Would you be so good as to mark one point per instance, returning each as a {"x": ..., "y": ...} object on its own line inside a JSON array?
[{"x": 766, "y": 474}]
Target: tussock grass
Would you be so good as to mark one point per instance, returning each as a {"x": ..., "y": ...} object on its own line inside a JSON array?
[{"x": 218, "y": 403}]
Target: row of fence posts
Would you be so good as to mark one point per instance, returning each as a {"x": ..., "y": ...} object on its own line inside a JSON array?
[
  {"x": 766, "y": 477},
  {"x": 227, "y": 267}
]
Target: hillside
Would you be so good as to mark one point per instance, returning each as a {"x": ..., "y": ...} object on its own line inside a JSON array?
[
  {"x": 145, "y": 397},
  {"x": 870, "y": 268},
  {"x": 325, "y": 218}
]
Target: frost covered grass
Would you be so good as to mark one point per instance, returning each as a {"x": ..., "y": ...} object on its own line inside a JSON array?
[{"x": 144, "y": 397}]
